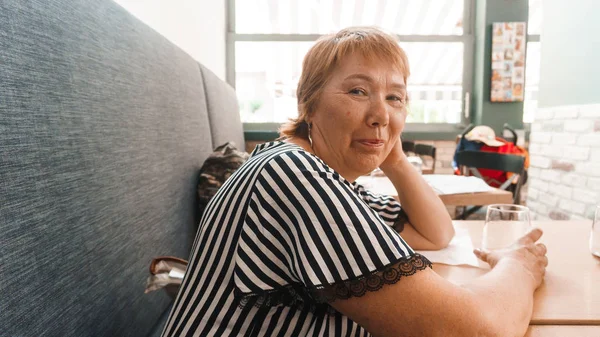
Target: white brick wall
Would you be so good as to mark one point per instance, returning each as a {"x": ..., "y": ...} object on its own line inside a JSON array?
[
  {"x": 541, "y": 137},
  {"x": 584, "y": 195},
  {"x": 572, "y": 207},
  {"x": 575, "y": 152},
  {"x": 564, "y": 192},
  {"x": 595, "y": 157},
  {"x": 591, "y": 139},
  {"x": 589, "y": 169},
  {"x": 550, "y": 175},
  {"x": 572, "y": 179},
  {"x": 566, "y": 113},
  {"x": 578, "y": 125},
  {"x": 563, "y": 138},
  {"x": 589, "y": 111},
  {"x": 594, "y": 184},
  {"x": 539, "y": 161},
  {"x": 544, "y": 114},
  {"x": 538, "y": 184},
  {"x": 548, "y": 199},
  {"x": 564, "y": 174}
]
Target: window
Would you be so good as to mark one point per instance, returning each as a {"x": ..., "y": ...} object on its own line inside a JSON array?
[
  {"x": 535, "y": 17},
  {"x": 532, "y": 61},
  {"x": 267, "y": 40},
  {"x": 532, "y": 80}
]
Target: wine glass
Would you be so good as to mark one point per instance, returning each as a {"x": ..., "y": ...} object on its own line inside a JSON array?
[
  {"x": 595, "y": 234},
  {"x": 504, "y": 224}
]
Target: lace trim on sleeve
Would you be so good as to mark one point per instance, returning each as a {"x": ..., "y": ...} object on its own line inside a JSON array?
[
  {"x": 301, "y": 297},
  {"x": 400, "y": 221}
]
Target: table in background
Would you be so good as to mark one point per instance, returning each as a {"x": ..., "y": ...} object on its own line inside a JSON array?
[
  {"x": 497, "y": 196},
  {"x": 382, "y": 185},
  {"x": 563, "y": 331},
  {"x": 427, "y": 170},
  {"x": 570, "y": 294}
]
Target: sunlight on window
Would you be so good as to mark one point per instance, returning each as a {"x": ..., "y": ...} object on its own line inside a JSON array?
[
  {"x": 532, "y": 80},
  {"x": 435, "y": 86},
  {"x": 267, "y": 72},
  {"x": 534, "y": 26},
  {"x": 532, "y": 62},
  {"x": 267, "y": 75},
  {"x": 404, "y": 17}
]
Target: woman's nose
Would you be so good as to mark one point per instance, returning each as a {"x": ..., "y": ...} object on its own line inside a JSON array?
[{"x": 378, "y": 114}]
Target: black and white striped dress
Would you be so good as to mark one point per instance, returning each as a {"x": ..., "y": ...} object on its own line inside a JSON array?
[{"x": 284, "y": 236}]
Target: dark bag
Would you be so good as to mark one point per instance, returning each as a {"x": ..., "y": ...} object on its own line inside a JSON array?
[{"x": 217, "y": 168}]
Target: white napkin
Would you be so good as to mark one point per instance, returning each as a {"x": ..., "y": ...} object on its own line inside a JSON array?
[
  {"x": 442, "y": 184},
  {"x": 449, "y": 184},
  {"x": 459, "y": 251}
]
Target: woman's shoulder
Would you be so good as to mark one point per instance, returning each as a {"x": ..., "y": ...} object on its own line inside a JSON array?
[
  {"x": 275, "y": 146},
  {"x": 285, "y": 158},
  {"x": 280, "y": 151}
]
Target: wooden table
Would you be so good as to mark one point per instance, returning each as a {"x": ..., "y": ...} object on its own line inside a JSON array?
[
  {"x": 427, "y": 170},
  {"x": 497, "y": 196},
  {"x": 570, "y": 294},
  {"x": 382, "y": 185},
  {"x": 563, "y": 331}
]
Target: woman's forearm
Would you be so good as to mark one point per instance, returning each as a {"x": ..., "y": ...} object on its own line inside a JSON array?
[
  {"x": 425, "y": 210},
  {"x": 505, "y": 296}
]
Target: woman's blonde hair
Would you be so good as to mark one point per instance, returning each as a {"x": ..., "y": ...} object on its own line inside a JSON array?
[{"x": 321, "y": 60}]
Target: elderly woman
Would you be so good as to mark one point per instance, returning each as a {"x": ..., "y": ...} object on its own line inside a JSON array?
[{"x": 291, "y": 245}]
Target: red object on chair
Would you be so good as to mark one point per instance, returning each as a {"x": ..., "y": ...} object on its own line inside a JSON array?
[{"x": 496, "y": 178}]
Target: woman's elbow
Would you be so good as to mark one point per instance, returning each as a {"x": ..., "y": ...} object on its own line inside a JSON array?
[{"x": 446, "y": 234}]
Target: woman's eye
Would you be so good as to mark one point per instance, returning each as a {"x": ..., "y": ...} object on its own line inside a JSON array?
[
  {"x": 397, "y": 98},
  {"x": 357, "y": 92}
]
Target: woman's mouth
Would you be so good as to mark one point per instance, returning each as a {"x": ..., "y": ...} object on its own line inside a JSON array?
[{"x": 374, "y": 143}]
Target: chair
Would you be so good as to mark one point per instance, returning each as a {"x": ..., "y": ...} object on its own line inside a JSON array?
[
  {"x": 471, "y": 161},
  {"x": 408, "y": 146},
  {"x": 514, "y": 138},
  {"x": 424, "y": 150}
]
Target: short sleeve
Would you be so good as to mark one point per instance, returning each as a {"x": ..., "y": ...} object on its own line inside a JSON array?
[
  {"x": 388, "y": 208},
  {"x": 310, "y": 237}
]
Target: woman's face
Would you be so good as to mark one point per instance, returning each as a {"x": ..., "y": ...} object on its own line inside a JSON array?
[{"x": 359, "y": 116}]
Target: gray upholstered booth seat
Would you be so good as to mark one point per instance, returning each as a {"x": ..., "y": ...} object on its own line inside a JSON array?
[{"x": 104, "y": 125}]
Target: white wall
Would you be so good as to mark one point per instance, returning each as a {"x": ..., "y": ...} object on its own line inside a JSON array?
[
  {"x": 196, "y": 26},
  {"x": 570, "y": 49},
  {"x": 564, "y": 175}
]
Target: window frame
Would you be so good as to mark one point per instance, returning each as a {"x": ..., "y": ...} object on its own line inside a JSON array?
[
  {"x": 431, "y": 130},
  {"x": 530, "y": 38}
]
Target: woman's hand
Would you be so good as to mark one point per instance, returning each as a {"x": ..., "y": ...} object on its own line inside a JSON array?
[
  {"x": 396, "y": 155},
  {"x": 529, "y": 254},
  {"x": 430, "y": 226}
]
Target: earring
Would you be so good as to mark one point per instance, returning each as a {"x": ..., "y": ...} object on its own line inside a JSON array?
[{"x": 309, "y": 137}]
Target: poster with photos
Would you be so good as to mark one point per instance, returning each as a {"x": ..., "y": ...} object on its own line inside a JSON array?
[{"x": 508, "y": 61}]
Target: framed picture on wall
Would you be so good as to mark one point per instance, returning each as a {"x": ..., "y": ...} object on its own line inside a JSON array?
[{"x": 508, "y": 61}]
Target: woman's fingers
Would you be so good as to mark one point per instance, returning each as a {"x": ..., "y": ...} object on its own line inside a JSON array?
[
  {"x": 541, "y": 249},
  {"x": 531, "y": 237},
  {"x": 525, "y": 249},
  {"x": 481, "y": 254}
]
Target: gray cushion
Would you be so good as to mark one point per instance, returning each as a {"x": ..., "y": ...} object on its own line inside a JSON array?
[
  {"x": 103, "y": 128},
  {"x": 160, "y": 324},
  {"x": 223, "y": 111}
]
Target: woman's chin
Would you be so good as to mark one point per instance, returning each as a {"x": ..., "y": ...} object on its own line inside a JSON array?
[
  {"x": 362, "y": 163},
  {"x": 367, "y": 167}
]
